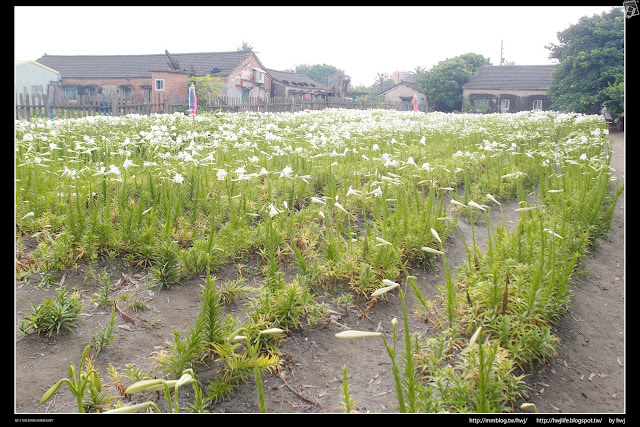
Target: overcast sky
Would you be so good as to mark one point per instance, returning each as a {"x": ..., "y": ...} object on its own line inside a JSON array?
[{"x": 360, "y": 40}]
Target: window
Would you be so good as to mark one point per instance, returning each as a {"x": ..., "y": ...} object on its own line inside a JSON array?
[
  {"x": 537, "y": 104},
  {"x": 159, "y": 84},
  {"x": 258, "y": 75},
  {"x": 125, "y": 92},
  {"x": 504, "y": 105},
  {"x": 481, "y": 102},
  {"x": 71, "y": 93},
  {"x": 37, "y": 89}
]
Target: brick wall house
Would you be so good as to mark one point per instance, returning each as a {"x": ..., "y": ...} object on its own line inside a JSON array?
[
  {"x": 142, "y": 75},
  {"x": 508, "y": 89}
]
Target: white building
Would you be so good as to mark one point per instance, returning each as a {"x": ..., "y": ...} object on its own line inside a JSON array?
[{"x": 34, "y": 78}]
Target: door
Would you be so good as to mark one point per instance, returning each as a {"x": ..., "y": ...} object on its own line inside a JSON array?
[{"x": 504, "y": 105}]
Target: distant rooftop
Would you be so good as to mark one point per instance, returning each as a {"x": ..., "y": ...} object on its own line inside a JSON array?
[
  {"x": 295, "y": 79},
  {"x": 531, "y": 77},
  {"x": 105, "y": 66}
]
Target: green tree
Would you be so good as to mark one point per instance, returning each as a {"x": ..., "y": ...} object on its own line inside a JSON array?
[
  {"x": 245, "y": 47},
  {"x": 318, "y": 73},
  {"x": 383, "y": 82},
  {"x": 419, "y": 70},
  {"x": 443, "y": 82},
  {"x": 591, "y": 68},
  {"x": 207, "y": 87}
]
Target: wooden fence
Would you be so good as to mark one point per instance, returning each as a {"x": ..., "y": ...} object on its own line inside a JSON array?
[{"x": 42, "y": 105}]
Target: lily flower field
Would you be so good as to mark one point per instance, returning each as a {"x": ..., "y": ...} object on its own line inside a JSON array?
[{"x": 331, "y": 201}]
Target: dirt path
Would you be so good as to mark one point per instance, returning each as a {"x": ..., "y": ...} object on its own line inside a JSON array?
[
  {"x": 586, "y": 376},
  {"x": 588, "y": 373}
]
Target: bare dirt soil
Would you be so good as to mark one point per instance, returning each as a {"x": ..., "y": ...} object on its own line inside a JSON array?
[{"x": 586, "y": 376}]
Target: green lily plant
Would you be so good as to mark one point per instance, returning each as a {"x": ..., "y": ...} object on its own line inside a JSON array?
[
  {"x": 188, "y": 377},
  {"x": 78, "y": 382}
]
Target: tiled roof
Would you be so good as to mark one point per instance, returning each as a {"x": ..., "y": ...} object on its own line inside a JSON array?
[
  {"x": 409, "y": 84},
  {"x": 293, "y": 79},
  {"x": 527, "y": 77},
  {"x": 122, "y": 66}
]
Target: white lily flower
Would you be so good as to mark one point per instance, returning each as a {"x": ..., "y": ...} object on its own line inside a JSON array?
[
  {"x": 475, "y": 205},
  {"x": 457, "y": 203},
  {"x": 128, "y": 163},
  {"x": 273, "y": 211},
  {"x": 352, "y": 192},
  {"x": 434, "y": 251},
  {"x": 490, "y": 197},
  {"x": 177, "y": 178},
  {"x": 435, "y": 234},
  {"x": 240, "y": 172},
  {"x": 553, "y": 233},
  {"x": 272, "y": 331},
  {"x": 113, "y": 169},
  {"x": 286, "y": 172},
  {"x": 339, "y": 206},
  {"x": 71, "y": 173},
  {"x": 390, "y": 286},
  {"x": 377, "y": 192},
  {"x": 382, "y": 242},
  {"x": 317, "y": 200}
]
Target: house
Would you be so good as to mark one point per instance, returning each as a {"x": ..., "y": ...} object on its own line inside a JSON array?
[
  {"x": 403, "y": 92},
  {"x": 287, "y": 84},
  {"x": 508, "y": 89},
  {"x": 35, "y": 78},
  {"x": 241, "y": 72}
]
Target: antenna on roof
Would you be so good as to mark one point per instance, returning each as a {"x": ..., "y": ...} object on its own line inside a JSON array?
[{"x": 501, "y": 49}]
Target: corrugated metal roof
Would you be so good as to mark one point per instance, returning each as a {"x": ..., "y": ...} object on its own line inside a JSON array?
[
  {"x": 525, "y": 77},
  {"x": 120, "y": 66}
]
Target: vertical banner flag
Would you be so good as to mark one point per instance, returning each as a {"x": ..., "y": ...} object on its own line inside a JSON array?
[
  {"x": 415, "y": 102},
  {"x": 193, "y": 101}
]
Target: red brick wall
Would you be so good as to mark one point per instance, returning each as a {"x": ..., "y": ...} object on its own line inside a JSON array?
[
  {"x": 110, "y": 85},
  {"x": 243, "y": 74},
  {"x": 175, "y": 83}
]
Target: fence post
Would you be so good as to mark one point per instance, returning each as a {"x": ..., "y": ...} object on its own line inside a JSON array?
[
  {"x": 18, "y": 106},
  {"x": 114, "y": 105},
  {"x": 27, "y": 106},
  {"x": 47, "y": 109}
]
